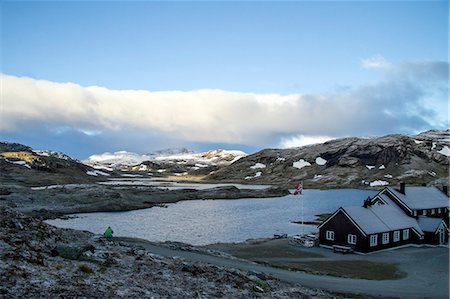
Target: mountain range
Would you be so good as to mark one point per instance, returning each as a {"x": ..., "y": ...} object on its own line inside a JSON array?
[{"x": 341, "y": 163}]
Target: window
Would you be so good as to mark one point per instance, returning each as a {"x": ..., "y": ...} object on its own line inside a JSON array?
[
  {"x": 405, "y": 234},
  {"x": 396, "y": 237},
  {"x": 373, "y": 240},
  {"x": 351, "y": 239},
  {"x": 330, "y": 235},
  {"x": 432, "y": 211},
  {"x": 424, "y": 212},
  {"x": 415, "y": 213},
  {"x": 385, "y": 239},
  {"x": 439, "y": 210}
]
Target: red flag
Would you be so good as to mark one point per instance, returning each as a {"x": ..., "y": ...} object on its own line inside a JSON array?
[{"x": 299, "y": 189}]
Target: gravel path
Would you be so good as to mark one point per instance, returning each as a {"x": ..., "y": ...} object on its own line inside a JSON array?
[{"x": 431, "y": 283}]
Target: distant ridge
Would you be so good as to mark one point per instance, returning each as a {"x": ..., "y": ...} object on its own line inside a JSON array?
[{"x": 348, "y": 163}]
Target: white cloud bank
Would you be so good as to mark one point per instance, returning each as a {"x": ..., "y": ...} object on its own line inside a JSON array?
[{"x": 398, "y": 103}]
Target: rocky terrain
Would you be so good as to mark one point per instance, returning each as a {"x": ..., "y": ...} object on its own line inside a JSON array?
[
  {"x": 348, "y": 163},
  {"x": 58, "y": 200},
  {"x": 38, "y": 260},
  {"x": 22, "y": 165},
  {"x": 177, "y": 162}
]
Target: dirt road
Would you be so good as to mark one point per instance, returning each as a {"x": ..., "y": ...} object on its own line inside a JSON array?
[{"x": 416, "y": 285}]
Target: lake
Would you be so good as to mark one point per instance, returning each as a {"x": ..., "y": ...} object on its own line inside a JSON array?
[{"x": 201, "y": 222}]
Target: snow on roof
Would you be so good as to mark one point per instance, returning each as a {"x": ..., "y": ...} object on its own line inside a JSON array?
[
  {"x": 381, "y": 218},
  {"x": 428, "y": 224},
  {"x": 418, "y": 198}
]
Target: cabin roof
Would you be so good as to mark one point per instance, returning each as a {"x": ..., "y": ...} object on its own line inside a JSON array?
[
  {"x": 381, "y": 218},
  {"x": 418, "y": 198},
  {"x": 428, "y": 224}
]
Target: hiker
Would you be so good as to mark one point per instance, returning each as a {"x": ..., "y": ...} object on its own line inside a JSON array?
[{"x": 108, "y": 233}]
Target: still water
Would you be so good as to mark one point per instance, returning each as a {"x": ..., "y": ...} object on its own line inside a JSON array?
[{"x": 201, "y": 222}]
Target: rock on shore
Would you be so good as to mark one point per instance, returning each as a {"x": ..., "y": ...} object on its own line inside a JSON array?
[{"x": 38, "y": 260}]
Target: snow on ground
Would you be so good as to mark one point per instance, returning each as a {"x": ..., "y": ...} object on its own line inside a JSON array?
[
  {"x": 47, "y": 153},
  {"x": 162, "y": 170},
  {"x": 382, "y": 167},
  {"x": 129, "y": 175},
  {"x": 143, "y": 167},
  {"x": 258, "y": 174},
  {"x": 389, "y": 176},
  {"x": 445, "y": 151},
  {"x": 47, "y": 187},
  {"x": 433, "y": 145},
  {"x": 118, "y": 158},
  {"x": 300, "y": 164},
  {"x": 378, "y": 183},
  {"x": 200, "y": 165},
  {"x": 124, "y": 158},
  {"x": 102, "y": 167},
  {"x": 417, "y": 141},
  {"x": 320, "y": 161},
  {"x": 20, "y": 162},
  {"x": 370, "y": 167},
  {"x": 258, "y": 165},
  {"x": 432, "y": 173},
  {"x": 97, "y": 173},
  {"x": 317, "y": 176},
  {"x": 280, "y": 159}
]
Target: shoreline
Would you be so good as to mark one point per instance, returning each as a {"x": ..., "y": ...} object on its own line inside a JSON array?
[{"x": 54, "y": 202}]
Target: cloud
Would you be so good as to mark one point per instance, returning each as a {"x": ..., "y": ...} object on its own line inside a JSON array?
[
  {"x": 301, "y": 140},
  {"x": 375, "y": 62},
  {"x": 412, "y": 97}
]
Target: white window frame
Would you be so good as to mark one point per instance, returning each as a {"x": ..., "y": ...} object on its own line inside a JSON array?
[
  {"x": 385, "y": 238},
  {"x": 439, "y": 211},
  {"x": 373, "y": 240},
  {"x": 415, "y": 213},
  {"x": 329, "y": 235},
  {"x": 405, "y": 234},
  {"x": 424, "y": 212},
  {"x": 433, "y": 211},
  {"x": 396, "y": 236},
  {"x": 351, "y": 239}
]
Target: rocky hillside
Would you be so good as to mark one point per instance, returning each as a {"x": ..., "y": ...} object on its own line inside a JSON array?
[
  {"x": 20, "y": 163},
  {"x": 179, "y": 162},
  {"x": 41, "y": 261},
  {"x": 348, "y": 162}
]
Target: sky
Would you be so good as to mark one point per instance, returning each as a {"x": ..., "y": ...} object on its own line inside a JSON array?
[{"x": 89, "y": 77}]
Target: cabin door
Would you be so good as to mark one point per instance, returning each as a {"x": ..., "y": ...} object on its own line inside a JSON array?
[{"x": 441, "y": 233}]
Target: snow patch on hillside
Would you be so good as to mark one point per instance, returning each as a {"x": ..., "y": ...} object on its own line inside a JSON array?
[
  {"x": 300, "y": 164},
  {"x": 258, "y": 165},
  {"x": 20, "y": 162},
  {"x": 97, "y": 173},
  {"x": 321, "y": 161},
  {"x": 445, "y": 151},
  {"x": 378, "y": 183},
  {"x": 258, "y": 174}
]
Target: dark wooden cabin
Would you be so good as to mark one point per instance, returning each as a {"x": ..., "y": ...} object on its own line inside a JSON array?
[{"x": 369, "y": 228}]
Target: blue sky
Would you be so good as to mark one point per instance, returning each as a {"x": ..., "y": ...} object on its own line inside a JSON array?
[{"x": 317, "y": 51}]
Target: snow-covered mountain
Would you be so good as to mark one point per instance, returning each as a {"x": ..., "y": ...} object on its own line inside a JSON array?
[{"x": 169, "y": 160}]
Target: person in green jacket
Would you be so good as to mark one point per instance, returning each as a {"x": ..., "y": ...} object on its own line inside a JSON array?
[{"x": 108, "y": 233}]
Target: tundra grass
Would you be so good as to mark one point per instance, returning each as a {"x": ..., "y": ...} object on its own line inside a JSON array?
[{"x": 349, "y": 269}]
